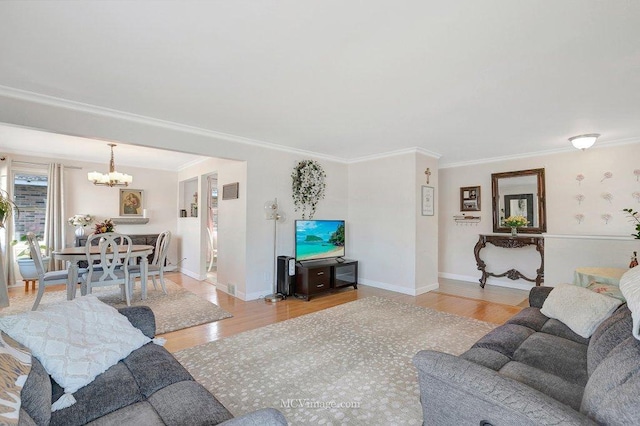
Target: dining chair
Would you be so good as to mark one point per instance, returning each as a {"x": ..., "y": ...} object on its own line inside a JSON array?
[
  {"x": 44, "y": 278},
  {"x": 109, "y": 270},
  {"x": 155, "y": 268}
]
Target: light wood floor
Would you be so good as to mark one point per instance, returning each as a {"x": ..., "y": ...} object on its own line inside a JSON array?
[
  {"x": 500, "y": 305},
  {"x": 491, "y": 304}
]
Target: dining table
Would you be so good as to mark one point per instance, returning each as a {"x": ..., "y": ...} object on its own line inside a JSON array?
[{"x": 73, "y": 255}]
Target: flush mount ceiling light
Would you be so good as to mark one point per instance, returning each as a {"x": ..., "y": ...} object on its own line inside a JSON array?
[
  {"x": 584, "y": 141},
  {"x": 112, "y": 178}
]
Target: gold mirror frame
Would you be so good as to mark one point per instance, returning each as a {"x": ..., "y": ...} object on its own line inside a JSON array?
[{"x": 541, "y": 201}]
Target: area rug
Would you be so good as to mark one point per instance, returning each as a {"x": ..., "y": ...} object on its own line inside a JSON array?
[
  {"x": 350, "y": 364},
  {"x": 176, "y": 310}
]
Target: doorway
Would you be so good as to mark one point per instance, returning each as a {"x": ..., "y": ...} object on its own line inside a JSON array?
[{"x": 212, "y": 227}]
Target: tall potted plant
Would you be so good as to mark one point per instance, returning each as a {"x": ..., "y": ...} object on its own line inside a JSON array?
[{"x": 7, "y": 206}]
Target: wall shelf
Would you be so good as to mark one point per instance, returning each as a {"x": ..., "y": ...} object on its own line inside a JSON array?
[
  {"x": 129, "y": 220},
  {"x": 466, "y": 219}
]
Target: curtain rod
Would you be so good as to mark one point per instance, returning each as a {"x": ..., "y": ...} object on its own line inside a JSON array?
[{"x": 43, "y": 164}]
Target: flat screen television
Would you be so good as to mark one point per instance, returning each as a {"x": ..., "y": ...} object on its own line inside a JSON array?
[{"x": 319, "y": 239}]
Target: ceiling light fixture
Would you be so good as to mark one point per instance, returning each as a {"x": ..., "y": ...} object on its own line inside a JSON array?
[
  {"x": 112, "y": 178},
  {"x": 584, "y": 141}
]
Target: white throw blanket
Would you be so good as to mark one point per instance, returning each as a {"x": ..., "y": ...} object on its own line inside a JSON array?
[{"x": 630, "y": 288}]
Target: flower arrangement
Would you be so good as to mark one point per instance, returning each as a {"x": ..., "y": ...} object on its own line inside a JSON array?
[
  {"x": 80, "y": 220},
  {"x": 515, "y": 221},
  {"x": 102, "y": 227},
  {"x": 634, "y": 217},
  {"x": 308, "y": 186}
]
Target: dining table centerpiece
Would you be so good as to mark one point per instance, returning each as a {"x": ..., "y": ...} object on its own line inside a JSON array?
[
  {"x": 515, "y": 222},
  {"x": 80, "y": 221},
  {"x": 104, "y": 226}
]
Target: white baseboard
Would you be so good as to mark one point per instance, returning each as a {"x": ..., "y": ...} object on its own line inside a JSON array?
[
  {"x": 520, "y": 284},
  {"x": 192, "y": 274},
  {"x": 397, "y": 288}
]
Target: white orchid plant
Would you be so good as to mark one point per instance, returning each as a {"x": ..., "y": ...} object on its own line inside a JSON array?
[{"x": 80, "y": 220}]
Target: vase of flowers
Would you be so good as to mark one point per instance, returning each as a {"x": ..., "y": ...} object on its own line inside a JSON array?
[
  {"x": 515, "y": 222},
  {"x": 80, "y": 221},
  {"x": 103, "y": 227},
  {"x": 634, "y": 218}
]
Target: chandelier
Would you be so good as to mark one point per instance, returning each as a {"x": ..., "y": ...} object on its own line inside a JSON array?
[{"x": 112, "y": 178}]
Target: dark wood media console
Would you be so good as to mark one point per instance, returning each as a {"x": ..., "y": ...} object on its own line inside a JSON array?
[{"x": 316, "y": 277}]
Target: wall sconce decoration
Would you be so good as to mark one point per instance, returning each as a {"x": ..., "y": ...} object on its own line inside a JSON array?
[{"x": 584, "y": 141}]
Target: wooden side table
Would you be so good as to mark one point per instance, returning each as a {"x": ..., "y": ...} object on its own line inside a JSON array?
[{"x": 507, "y": 241}]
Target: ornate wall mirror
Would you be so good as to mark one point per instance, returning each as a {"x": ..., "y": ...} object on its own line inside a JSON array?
[{"x": 519, "y": 193}]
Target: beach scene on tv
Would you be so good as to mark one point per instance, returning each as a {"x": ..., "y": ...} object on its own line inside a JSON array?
[{"x": 319, "y": 239}]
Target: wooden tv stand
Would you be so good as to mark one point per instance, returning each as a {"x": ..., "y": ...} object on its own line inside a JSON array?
[{"x": 317, "y": 277}]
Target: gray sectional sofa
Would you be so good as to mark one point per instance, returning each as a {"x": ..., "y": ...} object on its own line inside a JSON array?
[
  {"x": 534, "y": 370},
  {"x": 149, "y": 387}
]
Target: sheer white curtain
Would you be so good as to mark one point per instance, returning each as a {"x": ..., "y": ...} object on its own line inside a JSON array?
[
  {"x": 6, "y": 254},
  {"x": 55, "y": 218}
]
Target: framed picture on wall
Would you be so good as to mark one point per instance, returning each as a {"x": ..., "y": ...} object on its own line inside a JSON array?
[
  {"x": 131, "y": 202},
  {"x": 428, "y": 201},
  {"x": 470, "y": 199}
]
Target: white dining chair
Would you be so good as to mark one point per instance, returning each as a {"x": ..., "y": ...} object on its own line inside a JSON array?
[
  {"x": 109, "y": 271},
  {"x": 155, "y": 268},
  {"x": 44, "y": 278}
]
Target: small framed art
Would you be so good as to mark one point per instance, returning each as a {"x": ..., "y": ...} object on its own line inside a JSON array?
[
  {"x": 470, "y": 199},
  {"x": 131, "y": 202},
  {"x": 428, "y": 201}
]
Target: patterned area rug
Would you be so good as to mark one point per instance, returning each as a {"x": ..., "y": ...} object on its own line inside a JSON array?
[
  {"x": 176, "y": 310},
  {"x": 350, "y": 364}
]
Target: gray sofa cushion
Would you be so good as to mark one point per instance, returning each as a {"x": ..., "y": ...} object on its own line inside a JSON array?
[
  {"x": 188, "y": 403},
  {"x": 141, "y": 413},
  {"x": 505, "y": 339},
  {"x": 555, "y": 355},
  {"x": 610, "y": 334},
  {"x": 486, "y": 357},
  {"x": 154, "y": 368},
  {"x": 36, "y": 394},
  {"x": 110, "y": 391},
  {"x": 612, "y": 394},
  {"x": 549, "y": 384},
  {"x": 557, "y": 328},
  {"x": 529, "y": 317}
]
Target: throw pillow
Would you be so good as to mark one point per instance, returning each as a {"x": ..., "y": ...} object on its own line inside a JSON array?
[
  {"x": 75, "y": 340},
  {"x": 580, "y": 309},
  {"x": 630, "y": 287},
  {"x": 15, "y": 363},
  {"x": 606, "y": 290}
]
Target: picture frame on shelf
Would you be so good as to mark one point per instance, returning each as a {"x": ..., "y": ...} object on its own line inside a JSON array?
[
  {"x": 470, "y": 199},
  {"x": 428, "y": 200},
  {"x": 131, "y": 202}
]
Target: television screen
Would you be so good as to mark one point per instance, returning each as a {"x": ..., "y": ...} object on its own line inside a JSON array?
[{"x": 319, "y": 239}]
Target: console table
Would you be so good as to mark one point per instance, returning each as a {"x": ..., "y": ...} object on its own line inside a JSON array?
[
  {"x": 509, "y": 242},
  {"x": 321, "y": 276}
]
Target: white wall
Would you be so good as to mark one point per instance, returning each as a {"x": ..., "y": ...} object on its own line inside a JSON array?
[
  {"x": 457, "y": 241},
  {"x": 396, "y": 245}
]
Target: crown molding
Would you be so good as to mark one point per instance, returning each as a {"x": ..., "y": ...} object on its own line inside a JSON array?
[
  {"x": 28, "y": 96},
  {"x": 598, "y": 145},
  {"x": 413, "y": 150}
]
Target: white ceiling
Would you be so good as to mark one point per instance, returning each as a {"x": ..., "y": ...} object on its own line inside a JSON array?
[{"x": 465, "y": 79}]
